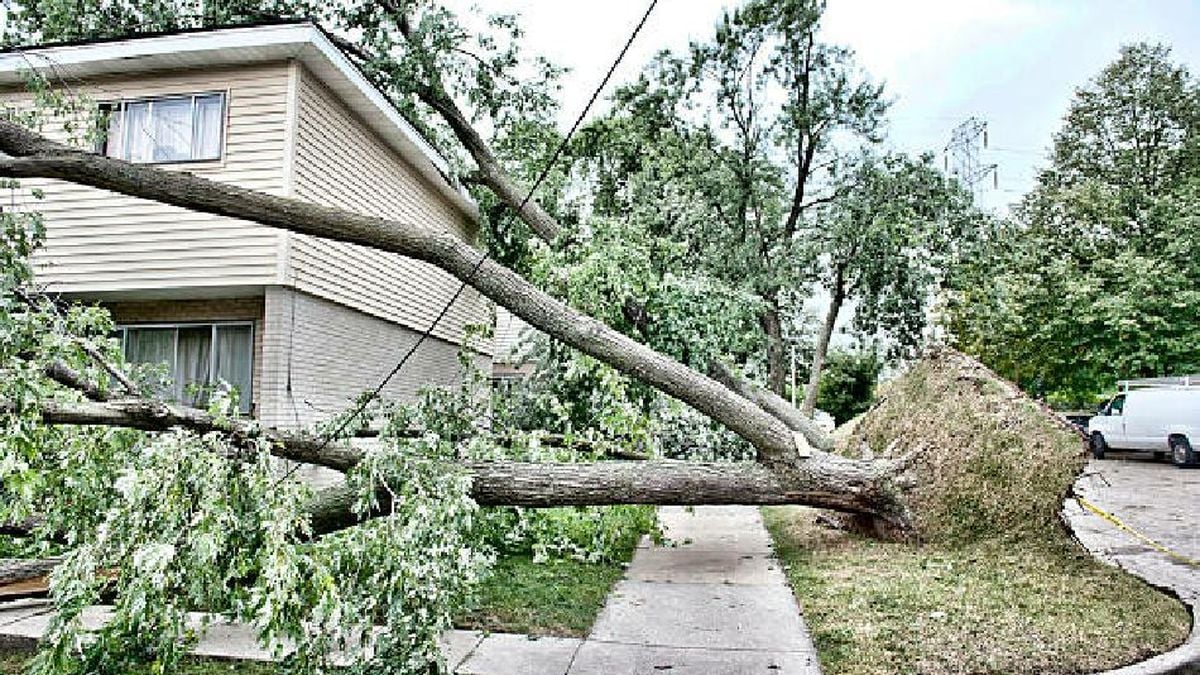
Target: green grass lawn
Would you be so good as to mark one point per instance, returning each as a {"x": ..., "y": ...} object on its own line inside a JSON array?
[
  {"x": 985, "y": 607},
  {"x": 554, "y": 598}
]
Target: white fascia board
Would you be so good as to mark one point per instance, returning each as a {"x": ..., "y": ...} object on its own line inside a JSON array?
[{"x": 229, "y": 46}]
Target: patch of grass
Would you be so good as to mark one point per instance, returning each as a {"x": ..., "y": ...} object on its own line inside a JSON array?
[
  {"x": 560, "y": 597},
  {"x": 1044, "y": 606}
]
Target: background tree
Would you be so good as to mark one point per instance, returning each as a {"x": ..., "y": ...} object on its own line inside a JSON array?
[
  {"x": 1095, "y": 278},
  {"x": 726, "y": 149},
  {"x": 884, "y": 246},
  {"x": 848, "y": 384}
]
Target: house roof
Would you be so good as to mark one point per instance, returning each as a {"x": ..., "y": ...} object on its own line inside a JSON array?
[{"x": 304, "y": 41}]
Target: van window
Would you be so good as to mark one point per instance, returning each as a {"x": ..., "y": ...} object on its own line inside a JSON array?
[{"x": 1117, "y": 405}]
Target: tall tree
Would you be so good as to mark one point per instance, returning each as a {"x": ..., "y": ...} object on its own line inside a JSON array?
[
  {"x": 884, "y": 246},
  {"x": 1095, "y": 279},
  {"x": 781, "y": 97}
]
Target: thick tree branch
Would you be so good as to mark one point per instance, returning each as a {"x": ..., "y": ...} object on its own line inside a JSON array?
[
  {"x": 149, "y": 415},
  {"x": 773, "y": 403},
  {"x": 72, "y": 379},
  {"x": 116, "y": 373},
  {"x": 39, "y": 157},
  {"x": 489, "y": 172}
]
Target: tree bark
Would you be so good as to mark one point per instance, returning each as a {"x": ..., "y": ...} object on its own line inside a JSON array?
[
  {"x": 842, "y": 484},
  {"x": 773, "y": 328},
  {"x": 822, "y": 347},
  {"x": 12, "y": 571},
  {"x": 774, "y": 404},
  {"x": 41, "y": 158}
]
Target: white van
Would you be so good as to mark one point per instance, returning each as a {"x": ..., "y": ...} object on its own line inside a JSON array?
[{"x": 1158, "y": 415}]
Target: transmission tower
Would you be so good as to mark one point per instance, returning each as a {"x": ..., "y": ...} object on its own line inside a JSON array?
[{"x": 961, "y": 155}]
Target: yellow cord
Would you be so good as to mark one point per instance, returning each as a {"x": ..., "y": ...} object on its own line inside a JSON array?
[{"x": 1147, "y": 540}]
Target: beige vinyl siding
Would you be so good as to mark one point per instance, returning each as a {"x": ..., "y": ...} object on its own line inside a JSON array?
[
  {"x": 99, "y": 241},
  {"x": 339, "y": 162}
]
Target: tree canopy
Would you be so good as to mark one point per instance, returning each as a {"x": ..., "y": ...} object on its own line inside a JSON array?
[{"x": 1094, "y": 278}]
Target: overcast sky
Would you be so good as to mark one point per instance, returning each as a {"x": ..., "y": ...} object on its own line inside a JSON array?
[{"x": 1012, "y": 63}]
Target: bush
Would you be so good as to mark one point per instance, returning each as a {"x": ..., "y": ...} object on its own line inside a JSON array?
[{"x": 848, "y": 383}]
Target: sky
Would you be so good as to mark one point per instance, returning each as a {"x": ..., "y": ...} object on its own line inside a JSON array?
[{"x": 1013, "y": 64}]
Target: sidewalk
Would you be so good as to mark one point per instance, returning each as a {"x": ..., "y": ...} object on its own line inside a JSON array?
[{"x": 715, "y": 603}]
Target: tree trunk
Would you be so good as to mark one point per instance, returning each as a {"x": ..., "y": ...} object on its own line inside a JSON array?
[
  {"x": 835, "y": 482},
  {"x": 824, "y": 480},
  {"x": 818, "y": 360},
  {"x": 12, "y": 571},
  {"x": 773, "y": 328}
]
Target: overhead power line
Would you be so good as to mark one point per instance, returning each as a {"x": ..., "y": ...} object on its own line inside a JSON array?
[{"x": 554, "y": 157}]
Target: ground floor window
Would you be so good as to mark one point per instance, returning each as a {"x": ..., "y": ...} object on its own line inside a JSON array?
[{"x": 197, "y": 356}]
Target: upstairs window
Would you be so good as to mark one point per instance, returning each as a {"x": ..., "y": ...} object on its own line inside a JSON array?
[
  {"x": 196, "y": 357},
  {"x": 185, "y": 128}
]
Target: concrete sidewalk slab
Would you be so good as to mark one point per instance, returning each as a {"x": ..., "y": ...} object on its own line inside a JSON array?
[
  {"x": 508, "y": 654},
  {"x": 457, "y": 645},
  {"x": 698, "y": 566},
  {"x": 722, "y": 616},
  {"x": 599, "y": 658},
  {"x": 714, "y": 601},
  {"x": 715, "y": 528}
]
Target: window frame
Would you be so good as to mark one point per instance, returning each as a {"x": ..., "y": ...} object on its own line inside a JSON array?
[
  {"x": 1120, "y": 409},
  {"x": 245, "y": 398},
  {"x": 120, "y": 105}
]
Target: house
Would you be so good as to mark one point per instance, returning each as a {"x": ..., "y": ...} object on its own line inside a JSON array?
[
  {"x": 510, "y": 357},
  {"x": 300, "y": 325}
]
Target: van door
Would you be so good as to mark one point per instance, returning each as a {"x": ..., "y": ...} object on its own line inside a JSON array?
[
  {"x": 1114, "y": 427},
  {"x": 1142, "y": 417}
]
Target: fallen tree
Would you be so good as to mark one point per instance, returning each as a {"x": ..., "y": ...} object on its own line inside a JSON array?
[{"x": 791, "y": 458}]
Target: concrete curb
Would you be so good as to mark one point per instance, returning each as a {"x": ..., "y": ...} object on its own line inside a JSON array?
[
  {"x": 1110, "y": 545},
  {"x": 1183, "y": 660}
]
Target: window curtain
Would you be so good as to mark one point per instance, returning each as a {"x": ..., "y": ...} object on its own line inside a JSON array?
[
  {"x": 234, "y": 352},
  {"x": 139, "y": 135},
  {"x": 194, "y": 358},
  {"x": 114, "y": 141},
  {"x": 154, "y": 346},
  {"x": 172, "y": 129},
  {"x": 209, "y": 120}
]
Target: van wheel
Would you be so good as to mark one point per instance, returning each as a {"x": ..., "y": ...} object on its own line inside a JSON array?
[
  {"x": 1181, "y": 451},
  {"x": 1098, "y": 445}
]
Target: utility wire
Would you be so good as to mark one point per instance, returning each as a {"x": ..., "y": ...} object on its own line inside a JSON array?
[{"x": 545, "y": 173}]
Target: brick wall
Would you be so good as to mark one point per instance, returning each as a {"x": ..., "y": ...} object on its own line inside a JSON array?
[{"x": 319, "y": 356}]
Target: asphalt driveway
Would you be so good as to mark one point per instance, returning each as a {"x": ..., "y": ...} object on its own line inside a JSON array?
[{"x": 1155, "y": 498}]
